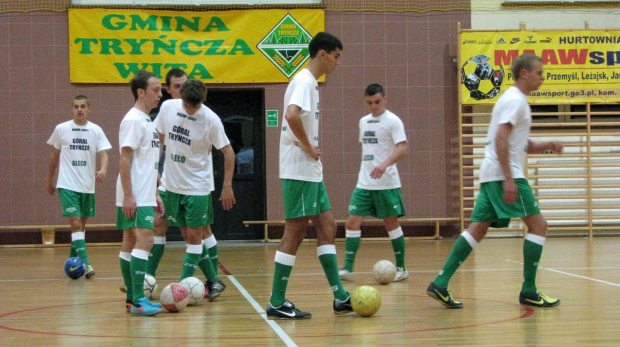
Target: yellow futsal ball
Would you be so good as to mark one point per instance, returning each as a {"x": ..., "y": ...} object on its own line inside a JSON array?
[{"x": 366, "y": 301}]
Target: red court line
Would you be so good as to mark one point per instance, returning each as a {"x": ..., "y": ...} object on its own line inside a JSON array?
[{"x": 528, "y": 312}]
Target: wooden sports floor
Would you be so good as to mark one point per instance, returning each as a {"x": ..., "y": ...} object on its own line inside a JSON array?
[{"x": 40, "y": 306}]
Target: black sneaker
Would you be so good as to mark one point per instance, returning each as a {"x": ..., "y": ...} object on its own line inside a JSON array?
[
  {"x": 443, "y": 296},
  {"x": 343, "y": 307},
  {"x": 286, "y": 311},
  {"x": 539, "y": 299},
  {"x": 215, "y": 288}
]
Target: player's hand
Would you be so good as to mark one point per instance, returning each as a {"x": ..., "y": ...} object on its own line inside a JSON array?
[
  {"x": 49, "y": 186},
  {"x": 100, "y": 175},
  {"x": 556, "y": 146},
  {"x": 510, "y": 191},
  {"x": 377, "y": 172},
  {"x": 227, "y": 198},
  {"x": 159, "y": 209},
  {"x": 314, "y": 152},
  {"x": 129, "y": 206}
]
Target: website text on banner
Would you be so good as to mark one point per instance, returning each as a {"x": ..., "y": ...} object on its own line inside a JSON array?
[
  {"x": 258, "y": 46},
  {"x": 580, "y": 66}
]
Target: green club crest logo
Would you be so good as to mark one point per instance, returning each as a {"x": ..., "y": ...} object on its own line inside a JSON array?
[{"x": 286, "y": 45}]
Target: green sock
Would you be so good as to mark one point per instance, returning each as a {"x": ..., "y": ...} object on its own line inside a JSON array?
[
  {"x": 137, "y": 268},
  {"x": 214, "y": 256},
  {"x": 283, "y": 268},
  {"x": 398, "y": 245},
  {"x": 72, "y": 252},
  {"x": 351, "y": 245},
  {"x": 460, "y": 252},
  {"x": 206, "y": 266},
  {"x": 192, "y": 259},
  {"x": 126, "y": 271},
  {"x": 329, "y": 262},
  {"x": 156, "y": 253},
  {"x": 80, "y": 249},
  {"x": 532, "y": 251}
]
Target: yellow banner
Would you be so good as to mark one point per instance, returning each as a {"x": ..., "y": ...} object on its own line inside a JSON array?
[
  {"x": 259, "y": 46},
  {"x": 579, "y": 66}
]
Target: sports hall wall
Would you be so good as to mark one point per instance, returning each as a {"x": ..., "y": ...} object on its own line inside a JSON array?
[{"x": 409, "y": 53}]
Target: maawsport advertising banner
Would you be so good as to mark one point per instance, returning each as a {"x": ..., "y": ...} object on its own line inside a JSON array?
[
  {"x": 579, "y": 66},
  {"x": 262, "y": 46}
]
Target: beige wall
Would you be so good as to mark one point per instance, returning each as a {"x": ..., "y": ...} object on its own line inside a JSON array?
[
  {"x": 490, "y": 15},
  {"x": 409, "y": 53}
]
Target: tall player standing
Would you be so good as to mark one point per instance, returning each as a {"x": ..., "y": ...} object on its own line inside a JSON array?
[
  {"x": 76, "y": 144},
  {"x": 304, "y": 194},
  {"x": 137, "y": 199}
]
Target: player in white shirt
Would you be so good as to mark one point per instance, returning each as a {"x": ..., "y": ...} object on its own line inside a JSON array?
[
  {"x": 189, "y": 129},
  {"x": 504, "y": 191},
  {"x": 75, "y": 145},
  {"x": 137, "y": 199},
  {"x": 378, "y": 192},
  {"x": 304, "y": 194}
]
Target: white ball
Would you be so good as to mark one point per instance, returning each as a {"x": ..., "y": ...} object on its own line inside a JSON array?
[
  {"x": 174, "y": 297},
  {"x": 384, "y": 271},
  {"x": 195, "y": 288},
  {"x": 150, "y": 285}
]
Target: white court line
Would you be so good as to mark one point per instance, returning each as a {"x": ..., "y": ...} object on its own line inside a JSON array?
[
  {"x": 570, "y": 274},
  {"x": 285, "y": 338}
]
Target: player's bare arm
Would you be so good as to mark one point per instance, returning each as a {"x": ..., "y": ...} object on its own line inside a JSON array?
[
  {"x": 297, "y": 127},
  {"x": 534, "y": 147},
  {"x": 124, "y": 167},
  {"x": 159, "y": 208},
  {"x": 102, "y": 173},
  {"x": 228, "y": 197},
  {"x": 400, "y": 151},
  {"x": 502, "y": 147},
  {"x": 49, "y": 182}
]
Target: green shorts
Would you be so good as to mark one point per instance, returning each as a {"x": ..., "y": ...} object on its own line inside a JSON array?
[
  {"x": 76, "y": 204},
  {"x": 302, "y": 198},
  {"x": 377, "y": 203},
  {"x": 491, "y": 208},
  {"x": 192, "y": 211},
  {"x": 144, "y": 218}
]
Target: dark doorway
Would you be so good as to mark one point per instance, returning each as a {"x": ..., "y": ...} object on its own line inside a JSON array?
[{"x": 242, "y": 112}]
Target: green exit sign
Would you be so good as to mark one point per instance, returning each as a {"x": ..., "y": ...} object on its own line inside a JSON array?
[{"x": 272, "y": 118}]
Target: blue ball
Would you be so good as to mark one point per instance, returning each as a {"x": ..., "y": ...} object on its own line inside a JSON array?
[{"x": 74, "y": 268}]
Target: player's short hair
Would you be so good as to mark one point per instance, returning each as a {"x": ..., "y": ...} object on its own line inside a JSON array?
[
  {"x": 524, "y": 62},
  {"x": 323, "y": 41},
  {"x": 140, "y": 81},
  {"x": 82, "y": 97},
  {"x": 174, "y": 73},
  {"x": 193, "y": 92},
  {"x": 373, "y": 89}
]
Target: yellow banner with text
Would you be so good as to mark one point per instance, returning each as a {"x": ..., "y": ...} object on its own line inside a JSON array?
[
  {"x": 579, "y": 66},
  {"x": 257, "y": 46}
]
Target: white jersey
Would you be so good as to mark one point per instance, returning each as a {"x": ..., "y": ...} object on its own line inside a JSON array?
[
  {"x": 295, "y": 164},
  {"x": 78, "y": 145},
  {"x": 138, "y": 133},
  {"x": 512, "y": 107},
  {"x": 188, "y": 168},
  {"x": 378, "y": 136}
]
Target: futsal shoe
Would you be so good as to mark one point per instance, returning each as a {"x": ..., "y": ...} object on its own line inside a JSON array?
[
  {"x": 128, "y": 305},
  {"x": 215, "y": 288},
  {"x": 343, "y": 307},
  {"x": 443, "y": 296},
  {"x": 286, "y": 311},
  {"x": 145, "y": 307},
  {"x": 346, "y": 275},
  {"x": 90, "y": 271},
  {"x": 539, "y": 299},
  {"x": 401, "y": 274}
]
